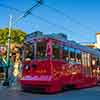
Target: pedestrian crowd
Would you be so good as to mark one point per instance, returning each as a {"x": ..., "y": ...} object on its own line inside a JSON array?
[{"x": 15, "y": 61}]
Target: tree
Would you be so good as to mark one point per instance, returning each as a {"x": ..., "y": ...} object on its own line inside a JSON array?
[{"x": 17, "y": 36}]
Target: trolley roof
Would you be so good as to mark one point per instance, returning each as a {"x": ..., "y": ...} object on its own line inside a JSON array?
[{"x": 30, "y": 38}]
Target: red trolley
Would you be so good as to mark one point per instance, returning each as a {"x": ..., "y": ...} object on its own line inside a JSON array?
[{"x": 53, "y": 63}]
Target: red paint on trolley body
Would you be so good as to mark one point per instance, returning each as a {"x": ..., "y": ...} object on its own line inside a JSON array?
[{"x": 52, "y": 75}]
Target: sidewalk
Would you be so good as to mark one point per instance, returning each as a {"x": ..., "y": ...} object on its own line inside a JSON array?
[
  {"x": 17, "y": 87},
  {"x": 2, "y": 87}
]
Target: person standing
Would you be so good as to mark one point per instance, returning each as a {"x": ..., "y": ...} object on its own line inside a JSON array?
[
  {"x": 5, "y": 64},
  {"x": 17, "y": 72}
]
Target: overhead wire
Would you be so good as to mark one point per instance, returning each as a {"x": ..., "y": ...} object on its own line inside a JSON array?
[
  {"x": 27, "y": 12},
  {"x": 51, "y": 23},
  {"x": 40, "y": 18},
  {"x": 9, "y": 7},
  {"x": 68, "y": 17},
  {"x": 17, "y": 10},
  {"x": 54, "y": 9}
]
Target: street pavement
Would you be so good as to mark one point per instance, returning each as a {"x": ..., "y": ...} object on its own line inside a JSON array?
[{"x": 9, "y": 93}]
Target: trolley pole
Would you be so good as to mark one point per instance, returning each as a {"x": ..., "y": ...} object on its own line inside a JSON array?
[{"x": 6, "y": 82}]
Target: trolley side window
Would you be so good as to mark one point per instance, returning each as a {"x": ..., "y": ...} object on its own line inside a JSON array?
[
  {"x": 72, "y": 54},
  {"x": 93, "y": 61},
  {"x": 98, "y": 61},
  {"x": 65, "y": 53},
  {"x": 86, "y": 61},
  {"x": 69, "y": 54},
  {"x": 56, "y": 51},
  {"x": 78, "y": 56}
]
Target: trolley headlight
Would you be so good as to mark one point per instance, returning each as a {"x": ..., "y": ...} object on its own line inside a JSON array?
[{"x": 27, "y": 67}]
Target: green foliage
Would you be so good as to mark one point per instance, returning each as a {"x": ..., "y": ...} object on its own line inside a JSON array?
[{"x": 17, "y": 36}]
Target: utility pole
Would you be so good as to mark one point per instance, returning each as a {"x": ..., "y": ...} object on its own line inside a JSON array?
[{"x": 6, "y": 82}]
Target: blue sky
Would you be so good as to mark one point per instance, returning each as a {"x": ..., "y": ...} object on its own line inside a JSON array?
[{"x": 83, "y": 21}]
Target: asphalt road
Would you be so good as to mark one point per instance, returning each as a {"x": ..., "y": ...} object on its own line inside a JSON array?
[{"x": 82, "y": 94}]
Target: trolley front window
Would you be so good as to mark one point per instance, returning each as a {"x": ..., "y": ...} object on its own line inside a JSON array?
[
  {"x": 28, "y": 51},
  {"x": 41, "y": 50},
  {"x": 36, "y": 50}
]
